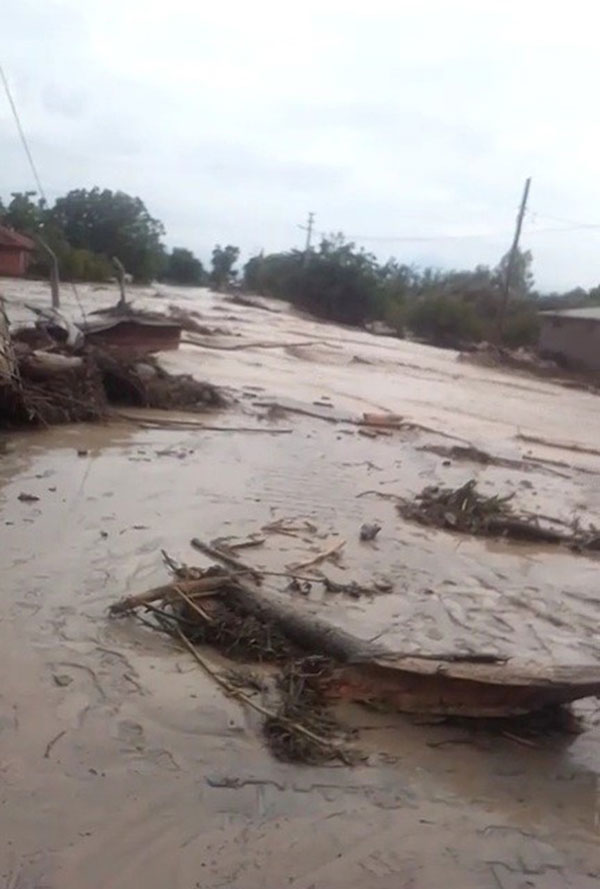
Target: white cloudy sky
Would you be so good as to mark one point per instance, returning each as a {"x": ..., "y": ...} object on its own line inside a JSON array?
[{"x": 408, "y": 125}]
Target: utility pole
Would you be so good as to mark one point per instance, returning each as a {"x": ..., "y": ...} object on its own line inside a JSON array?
[
  {"x": 308, "y": 228},
  {"x": 511, "y": 258},
  {"x": 54, "y": 273}
]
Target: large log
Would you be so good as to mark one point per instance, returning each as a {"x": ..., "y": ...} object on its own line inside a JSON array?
[
  {"x": 452, "y": 683},
  {"x": 477, "y": 685},
  {"x": 464, "y": 688}
]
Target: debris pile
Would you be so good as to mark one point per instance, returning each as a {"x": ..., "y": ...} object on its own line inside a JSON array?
[
  {"x": 50, "y": 394},
  {"x": 307, "y": 665},
  {"x": 466, "y": 510},
  {"x": 144, "y": 383},
  {"x": 218, "y": 608},
  {"x": 49, "y": 374}
]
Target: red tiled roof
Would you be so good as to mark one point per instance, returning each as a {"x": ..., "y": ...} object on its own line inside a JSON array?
[{"x": 10, "y": 238}]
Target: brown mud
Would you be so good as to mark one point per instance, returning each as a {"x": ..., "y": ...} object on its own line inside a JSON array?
[{"x": 124, "y": 764}]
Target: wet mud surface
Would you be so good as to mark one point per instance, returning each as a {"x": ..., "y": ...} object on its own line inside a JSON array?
[{"x": 123, "y": 764}]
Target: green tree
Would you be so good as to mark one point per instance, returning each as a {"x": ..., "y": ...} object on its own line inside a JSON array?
[
  {"x": 23, "y": 214},
  {"x": 338, "y": 282},
  {"x": 521, "y": 279},
  {"x": 182, "y": 267},
  {"x": 223, "y": 261},
  {"x": 444, "y": 320},
  {"x": 273, "y": 274},
  {"x": 112, "y": 224}
]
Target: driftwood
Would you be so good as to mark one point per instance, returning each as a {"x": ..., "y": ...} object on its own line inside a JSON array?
[
  {"x": 207, "y": 586},
  {"x": 41, "y": 364},
  {"x": 560, "y": 445},
  {"x": 225, "y": 558},
  {"x": 465, "y": 688},
  {"x": 178, "y": 423},
  {"x": 321, "y": 557},
  {"x": 450, "y": 684}
]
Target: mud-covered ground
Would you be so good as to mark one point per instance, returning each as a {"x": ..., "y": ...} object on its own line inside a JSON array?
[{"x": 123, "y": 764}]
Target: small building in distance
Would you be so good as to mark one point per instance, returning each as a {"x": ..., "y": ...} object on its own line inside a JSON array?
[
  {"x": 571, "y": 337},
  {"x": 15, "y": 253}
]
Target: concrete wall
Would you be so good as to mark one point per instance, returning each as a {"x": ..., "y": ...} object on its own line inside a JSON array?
[{"x": 575, "y": 342}]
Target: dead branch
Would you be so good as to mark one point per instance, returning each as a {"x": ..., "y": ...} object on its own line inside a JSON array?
[
  {"x": 320, "y": 557},
  {"x": 193, "y": 605},
  {"x": 207, "y": 586},
  {"x": 52, "y": 742},
  {"x": 237, "y": 693},
  {"x": 561, "y": 445},
  {"x": 226, "y": 558}
]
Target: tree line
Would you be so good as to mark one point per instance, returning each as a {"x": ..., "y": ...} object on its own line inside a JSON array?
[
  {"x": 87, "y": 228},
  {"x": 337, "y": 281}
]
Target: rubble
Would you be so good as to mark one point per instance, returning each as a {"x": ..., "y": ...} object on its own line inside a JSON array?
[{"x": 47, "y": 387}]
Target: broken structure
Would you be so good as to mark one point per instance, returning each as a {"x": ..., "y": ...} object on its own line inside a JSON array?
[{"x": 572, "y": 337}]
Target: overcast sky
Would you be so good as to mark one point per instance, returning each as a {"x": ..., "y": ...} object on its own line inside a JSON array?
[{"x": 409, "y": 126}]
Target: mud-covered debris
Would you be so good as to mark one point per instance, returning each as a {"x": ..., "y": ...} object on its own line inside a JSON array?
[
  {"x": 302, "y": 703},
  {"x": 51, "y": 387},
  {"x": 319, "y": 664},
  {"x": 465, "y": 452},
  {"x": 369, "y": 531},
  {"x": 466, "y": 510},
  {"x": 125, "y": 383},
  {"x": 331, "y": 552},
  {"x": 62, "y": 679},
  {"x": 461, "y": 509},
  {"x": 387, "y": 421},
  {"x": 236, "y": 633}
]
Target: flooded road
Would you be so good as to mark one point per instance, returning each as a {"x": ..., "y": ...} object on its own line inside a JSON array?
[{"x": 123, "y": 764}]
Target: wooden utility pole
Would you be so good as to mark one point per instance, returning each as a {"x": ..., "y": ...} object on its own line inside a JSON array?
[
  {"x": 122, "y": 304},
  {"x": 308, "y": 228},
  {"x": 511, "y": 259},
  {"x": 54, "y": 273}
]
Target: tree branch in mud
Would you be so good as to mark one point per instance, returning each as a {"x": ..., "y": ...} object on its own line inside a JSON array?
[{"x": 467, "y": 511}]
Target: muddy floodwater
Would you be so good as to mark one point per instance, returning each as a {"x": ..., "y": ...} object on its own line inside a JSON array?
[{"x": 122, "y": 764}]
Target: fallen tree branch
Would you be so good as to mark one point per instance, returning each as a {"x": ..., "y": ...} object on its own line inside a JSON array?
[
  {"x": 159, "y": 422},
  {"x": 201, "y": 612},
  {"x": 226, "y": 558},
  {"x": 207, "y": 586},
  {"x": 320, "y": 557},
  {"x": 560, "y": 445},
  {"x": 52, "y": 742}
]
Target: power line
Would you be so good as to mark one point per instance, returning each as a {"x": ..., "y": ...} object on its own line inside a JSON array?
[
  {"x": 415, "y": 238},
  {"x": 11, "y": 102},
  {"x": 409, "y": 239},
  {"x": 571, "y": 222}
]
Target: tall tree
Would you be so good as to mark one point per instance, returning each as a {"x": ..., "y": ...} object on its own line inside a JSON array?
[
  {"x": 182, "y": 267},
  {"x": 521, "y": 280},
  {"x": 112, "y": 224},
  {"x": 223, "y": 262},
  {"x": 23, "y": 214}
]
